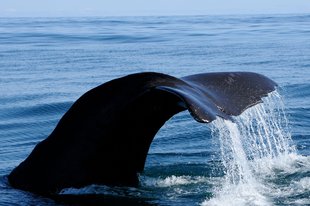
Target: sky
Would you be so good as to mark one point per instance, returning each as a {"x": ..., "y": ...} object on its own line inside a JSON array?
[{"x": 56, "y": 8}]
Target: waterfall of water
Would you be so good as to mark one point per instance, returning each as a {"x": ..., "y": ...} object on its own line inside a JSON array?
[{"x": 248, "y": 145}]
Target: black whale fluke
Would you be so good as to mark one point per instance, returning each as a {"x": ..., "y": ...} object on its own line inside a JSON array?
[{"x": 105, "y": 136}]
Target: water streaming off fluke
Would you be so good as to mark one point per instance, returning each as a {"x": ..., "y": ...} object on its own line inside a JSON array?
[{"x": 249, "y": 148}]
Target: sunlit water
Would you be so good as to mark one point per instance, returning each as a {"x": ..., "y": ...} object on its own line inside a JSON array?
[{"x": 262, "y": 158}]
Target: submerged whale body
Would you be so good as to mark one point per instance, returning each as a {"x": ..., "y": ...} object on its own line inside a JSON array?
[{"x": 105, "y": 136}]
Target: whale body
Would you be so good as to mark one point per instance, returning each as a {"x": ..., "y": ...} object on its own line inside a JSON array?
[{"x": 105, "y": 136}]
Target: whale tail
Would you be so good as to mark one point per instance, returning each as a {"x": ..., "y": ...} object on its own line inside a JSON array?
[{"x": 105, "y": 136}]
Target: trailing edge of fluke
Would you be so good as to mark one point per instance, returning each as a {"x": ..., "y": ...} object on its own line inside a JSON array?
[{"x": 105, "y": 136}]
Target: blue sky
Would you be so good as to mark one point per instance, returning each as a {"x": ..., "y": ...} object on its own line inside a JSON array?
[{"x": 149, "y": 7}]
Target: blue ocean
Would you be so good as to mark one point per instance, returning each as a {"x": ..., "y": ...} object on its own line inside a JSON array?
[{"x": 262, "y": 158}]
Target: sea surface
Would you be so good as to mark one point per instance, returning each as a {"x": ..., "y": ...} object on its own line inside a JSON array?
[{"x": 262, "y": 158}]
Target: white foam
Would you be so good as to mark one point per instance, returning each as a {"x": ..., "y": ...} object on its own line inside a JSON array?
[
  {"x": 238, "y": 195},
  {"x": 285, "y": 164},
  {"x": 90, "y": 189},
  {"x": 172, "y": 181},
  {"x": 303, "y": 201},
  {"x": 301, "y": 186}
]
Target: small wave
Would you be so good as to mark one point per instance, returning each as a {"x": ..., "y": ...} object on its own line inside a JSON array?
[
  {"x": 143, "y": 191},
  {"x": 172, "y": 181},
  {"x": 297, "y": 90},
  {"x": 102, "y": 190},
  {"x": 284, "y": 164},
  {"x": 40, "y": 110},
  {"x": 91, "y": 189},
  {"x": 288, "y": 191},
  {"x": 301, "y": 186},
  {"x": 285, "y": 176},
  {"x": 239, "y": 195},
  {"x": 304, "y": 201}
]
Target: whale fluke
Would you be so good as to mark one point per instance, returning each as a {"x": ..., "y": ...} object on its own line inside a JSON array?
[{"x": 105, "y": 136}]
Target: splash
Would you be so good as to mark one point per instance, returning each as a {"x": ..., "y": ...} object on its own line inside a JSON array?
[
  {"x": 172, "y": 181},
  {"x": 250, "y": 146}
]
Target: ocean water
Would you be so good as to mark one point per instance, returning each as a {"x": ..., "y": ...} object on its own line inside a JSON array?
[{"x": 262, "y": 158}]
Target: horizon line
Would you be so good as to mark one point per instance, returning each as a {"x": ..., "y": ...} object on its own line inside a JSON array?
[{"x": 155, "y": 15}]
